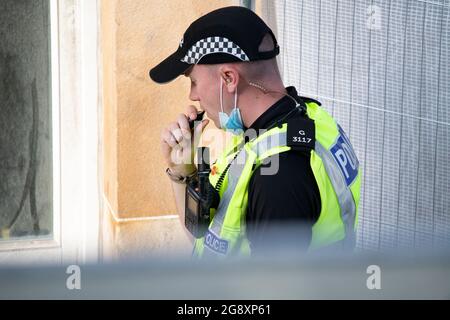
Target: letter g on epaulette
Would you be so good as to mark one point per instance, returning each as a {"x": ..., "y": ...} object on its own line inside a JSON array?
[{"x": 301, "y": 134}]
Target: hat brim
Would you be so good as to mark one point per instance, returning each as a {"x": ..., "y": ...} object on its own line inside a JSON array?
[{"x": 169, "y": 69}]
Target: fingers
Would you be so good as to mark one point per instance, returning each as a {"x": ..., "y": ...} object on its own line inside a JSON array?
[
  {"x": 198, "y": 131},
  {"x": 168, "y": 138},
  {"x": 184, "y": 119},
  {"x": 177, "y": 133},
  {"x": 191, "y": 112},
  {"x": 176, "y": 138},
  {"x": 201, "y": 126},
  {"x": 183, "y": 124}
]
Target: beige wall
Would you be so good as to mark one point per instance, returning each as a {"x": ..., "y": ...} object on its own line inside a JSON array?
[{"x": 136, "y": 35}]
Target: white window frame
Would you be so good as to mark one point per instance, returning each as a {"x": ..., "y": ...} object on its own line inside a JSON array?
[{"x": 76, "y": 169}]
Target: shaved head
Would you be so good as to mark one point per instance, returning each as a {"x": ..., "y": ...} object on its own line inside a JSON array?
[{"x": 263, "y": 72}]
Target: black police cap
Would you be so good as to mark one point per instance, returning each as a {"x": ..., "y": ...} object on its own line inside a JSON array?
[{"x": 230, "y": 34}]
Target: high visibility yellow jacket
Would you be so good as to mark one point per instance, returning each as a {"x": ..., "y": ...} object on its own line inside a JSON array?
[{"x": 335, "y": 168}]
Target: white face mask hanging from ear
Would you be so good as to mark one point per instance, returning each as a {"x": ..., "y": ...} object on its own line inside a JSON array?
[{"x": 232, "y": 122}]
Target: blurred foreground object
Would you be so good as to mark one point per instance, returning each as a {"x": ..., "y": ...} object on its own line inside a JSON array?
[{"x": 283, "y": 277}]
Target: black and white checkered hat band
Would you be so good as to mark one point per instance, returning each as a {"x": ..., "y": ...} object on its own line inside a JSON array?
[{"x": 213, "y": 45}]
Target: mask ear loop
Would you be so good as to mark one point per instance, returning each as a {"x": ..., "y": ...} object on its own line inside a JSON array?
[
  {"x": 221, "y": 93},
  {"x": 235, "y": 99}
]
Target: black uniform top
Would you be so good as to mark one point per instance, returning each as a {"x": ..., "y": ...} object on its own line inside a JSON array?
[{"x": 288, "y": 200}]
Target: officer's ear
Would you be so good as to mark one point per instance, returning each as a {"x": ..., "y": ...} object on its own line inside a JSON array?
[{"x": 230, "y": 77}]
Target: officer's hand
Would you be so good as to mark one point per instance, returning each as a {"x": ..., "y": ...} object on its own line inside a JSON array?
[{"x": 178, "y": 142}]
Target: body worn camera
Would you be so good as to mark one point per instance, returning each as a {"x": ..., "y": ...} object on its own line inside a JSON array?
[{"x": 201, "y": 197}]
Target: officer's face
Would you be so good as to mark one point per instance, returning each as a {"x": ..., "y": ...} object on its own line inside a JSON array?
[{"x": 205, "y": 85}]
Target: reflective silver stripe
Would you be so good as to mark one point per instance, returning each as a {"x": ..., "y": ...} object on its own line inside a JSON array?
[
  {"x": 234, "y": 173},
  {"x": 269, "y": 142},
  {"x": 343, "y": 193},
  {"x": 235, "y": 148}
]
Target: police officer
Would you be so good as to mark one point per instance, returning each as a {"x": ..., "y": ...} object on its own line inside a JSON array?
[{"x": 297, "y": 167}]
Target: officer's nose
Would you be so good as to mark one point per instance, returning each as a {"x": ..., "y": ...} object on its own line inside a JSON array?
[{"x": 193, "y": 96}]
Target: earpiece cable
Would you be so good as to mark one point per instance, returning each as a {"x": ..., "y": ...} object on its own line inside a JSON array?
[{"x": 298, "y": 106}]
